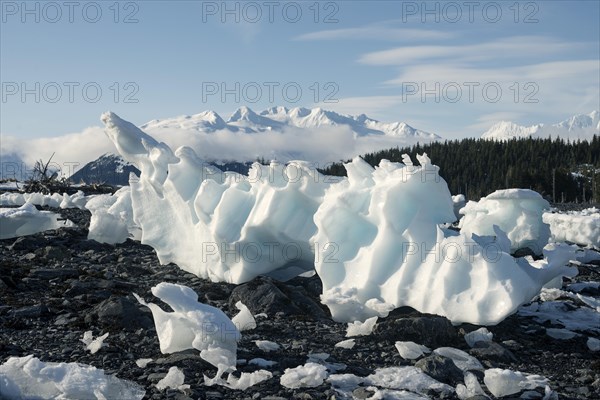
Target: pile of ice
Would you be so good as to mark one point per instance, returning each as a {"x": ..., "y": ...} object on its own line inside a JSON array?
[
  {"x": 374, "y": 238},
  {"x": 580, "y": 227},
  {"x": 56, "y": 200},
  {"x": 220, "y": 226},
  {"x": 389, "y": 251},
  {"x": 517, "y": 212},
  {"x": 29, "y": 378},
  {"x": 112, "y": 217},
  {"x": 27, "y": 220}
]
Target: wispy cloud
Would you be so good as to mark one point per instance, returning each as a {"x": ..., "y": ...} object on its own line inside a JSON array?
[
  {"x": 506, "y": 48},
  {"x": 378, "y": 32}
]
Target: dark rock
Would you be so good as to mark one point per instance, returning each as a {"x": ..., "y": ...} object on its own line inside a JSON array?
[
  {"x": 264, "y": 295},
  {"x": 492, "y": 351},
  {"x": 429, "y": 330},
  {"x": 36, "y": 311},
  {"x": 57, "y": 253},
  {"x": 119, "y": 313},
  {"x": 441, "y": 368},
  {"x": 49, "y": 273},
  {"x": 28, "y": 243}
]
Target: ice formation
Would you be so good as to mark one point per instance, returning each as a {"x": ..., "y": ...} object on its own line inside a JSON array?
[
  {"x": 504, "y": 382},
  {"x": 358, "y": 328},
  {"x": 267, "y": 345},
  {"x": 77, "y": 200},
  {"x": 27, "y": 220},
  {"x": 28, "y": 378},
  {"x": 93, "y": 345},
  {"x": 374, "y": 238},
  {"x": 221, "y": 226},
  {"x": 244, "y": 319},
  {"x": 517, "y": 212},
  {"x": 461, "y": 359},
  {"x": 470, "y": 389},
  {"x": 385, "y": 248},
  {"x": 112, "y": 217},
  {"x": 174, "y": 380},
  {"x": 580, "y": 227},
  {"x": 193, "y": 325},
  {"x": 346, "y": 344},
  {"x": 245, "y": 380},
  {"x": 411, "y": 350},
  {"x": 479, "y": 335},
  {"x": 458, "y": 202},
  {"x": 307, "y": 375}
]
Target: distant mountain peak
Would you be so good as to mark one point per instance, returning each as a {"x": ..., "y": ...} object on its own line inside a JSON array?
[{"x": 577, "y": 127}]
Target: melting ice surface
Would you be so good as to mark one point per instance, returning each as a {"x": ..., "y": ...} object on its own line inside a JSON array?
[
  {"x": 518, "y": 212},
  {"x": 220, "y": 226},
  {"x": 390, "y": 251},
  {"x": 374, "y": 238}
]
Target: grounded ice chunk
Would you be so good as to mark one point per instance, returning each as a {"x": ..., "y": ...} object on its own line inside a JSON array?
[
  {"x": 244, "y": 319},
  {"x": 480, "y": 335},
  {"x": 93, "y": 345},
  {"x": 471, "y": 388},
  {"x": 407, "y": 378},
  {"x": 267, "y": 345},
  {"x": 27, "y": 220},
  {"x": 307, "y": 375},
  {"x": 220, "y": 226},
  {"x": 112, "y": 217},
  {"x": 517, "y": 212},
  {"x": 261, "y": 362},
  {"x": 389, "y": 247},
  {"x": 193, "y": 325},
  {"x": 174, "y": 380},
  {"x": 461, "y": 359},
  {"x": 358, "y": 328},
  {"x": 411, "y": 350},
  {"x": 28, "y": 377},
  {"x": 580, "y": 227},
  {"x": 504, "y": 382}
]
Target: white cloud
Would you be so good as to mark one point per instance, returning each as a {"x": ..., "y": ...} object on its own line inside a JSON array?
[
  {"x": 501, "y": 49},
  {"x": 377, "y": 32}
]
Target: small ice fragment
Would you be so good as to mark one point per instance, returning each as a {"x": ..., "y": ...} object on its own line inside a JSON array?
[
  {"x": 462, "y": 360},
  {"x": 261, "y": 362},
  {"x": 307, "y": 375},
  {"x": 346, "y": 344},
  {"x": 267, "y": 345},
  {"x": 174, "y": 380},
  {"x": 143, "y": 362},
  {"x": 244, "y": 320},
  {"x": 358, "y": 328},
  {"x": 411, "y": 350},
  {"x": 480, "y": 335},
  {"x": 93, "y": 345}
]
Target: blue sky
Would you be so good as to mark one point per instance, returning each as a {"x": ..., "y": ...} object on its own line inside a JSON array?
[{"x": 372, "y": 57}]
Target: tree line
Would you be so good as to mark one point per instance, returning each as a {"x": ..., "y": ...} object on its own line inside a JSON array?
[{"x": 562, "y": 171}]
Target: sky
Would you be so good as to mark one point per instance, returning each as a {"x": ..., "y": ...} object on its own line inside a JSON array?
[{"x": 451, "y": 68}]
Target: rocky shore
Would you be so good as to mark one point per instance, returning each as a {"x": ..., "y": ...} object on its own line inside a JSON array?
[{"x": 56, "y": 285}]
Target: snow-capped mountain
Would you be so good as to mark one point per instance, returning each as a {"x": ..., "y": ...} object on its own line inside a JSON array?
[
  {"x": 278, "y": 118},
  {"x": 111, "y": 169},
  {"x": 578, "y": 127}
]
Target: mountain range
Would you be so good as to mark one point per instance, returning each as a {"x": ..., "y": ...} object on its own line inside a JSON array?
[
  {"x": 578, "y": 127},
  {"x": 278, "y": 118}
]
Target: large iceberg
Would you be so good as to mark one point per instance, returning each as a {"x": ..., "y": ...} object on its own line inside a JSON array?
[
  {"x": 375, "y": 238},
  {"x": 220, "y": 226},
  {"x": 380, "y": 246},
  {"x": 518, "y": 212}
]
